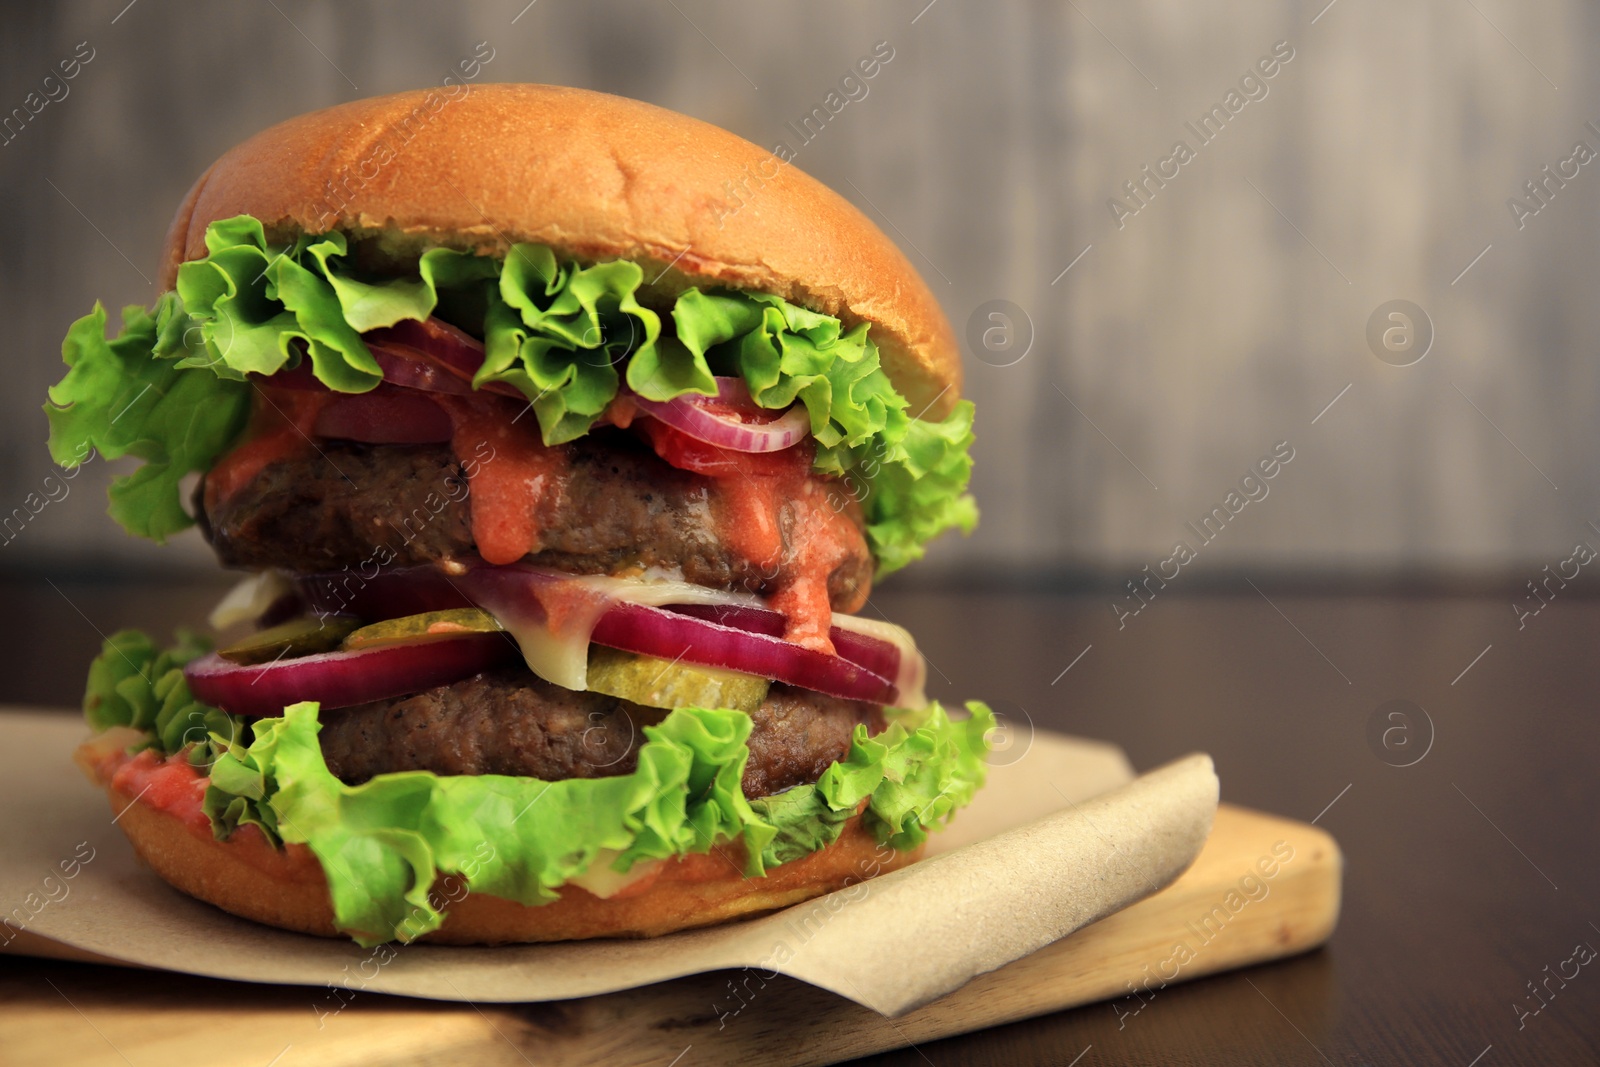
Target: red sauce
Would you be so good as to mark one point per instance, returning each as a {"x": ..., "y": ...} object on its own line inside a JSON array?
[
  {"x": 280, "y": 428},
  {"x": 753, "y": 493},
  {"x": 168, "y": 785},
  {"x": 827, "y": 537},
  {"x": 513, "y": 470},
  {"x": 171, "y": 786},
  {"x": 620, "y": 412}
]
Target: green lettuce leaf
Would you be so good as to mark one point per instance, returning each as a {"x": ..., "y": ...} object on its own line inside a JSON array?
[
  {"x": 917, "y": 491},
  {"x": 383, "y": 843},
  {"x": 913, "y": 776},
  {"x": 256, "y": 306},
  {"x": 564, "y": 335},
  {"x": 557, "y": 332},
  {"x": 133, "y": 684},
  {"x": 121, "y": 399}
]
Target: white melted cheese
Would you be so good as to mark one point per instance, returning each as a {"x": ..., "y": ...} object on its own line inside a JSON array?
[{"x": 562, "y": 656}]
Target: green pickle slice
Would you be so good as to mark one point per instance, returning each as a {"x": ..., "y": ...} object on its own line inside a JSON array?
[
  {"x": 297, "y": 637},
  {"x": 429, "y": 626},
  {"x": 661, "y": 683}
]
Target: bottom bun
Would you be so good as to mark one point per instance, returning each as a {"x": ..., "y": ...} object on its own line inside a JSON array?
[{"x": 286, "y": 887}]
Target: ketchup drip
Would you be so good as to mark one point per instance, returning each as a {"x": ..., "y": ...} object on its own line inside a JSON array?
[
  {"x": 280, "y": 428},
  {"x": 755, "y": 492},
  {"x": 803, "y": 598},
  {"x": 509, "y": 469}
]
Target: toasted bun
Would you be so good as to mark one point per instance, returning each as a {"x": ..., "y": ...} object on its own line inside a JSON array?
[
  {"x": 595, "y": 177},
  {"x": 287, "y": 889}
]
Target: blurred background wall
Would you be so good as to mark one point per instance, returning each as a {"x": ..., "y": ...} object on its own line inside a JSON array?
[{"x": 1145, "y": 323}]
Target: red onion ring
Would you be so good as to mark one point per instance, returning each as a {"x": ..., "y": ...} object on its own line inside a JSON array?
[
  {"x": 689, "y": 415},
  {"x": 667, "y": 634},
  {"x": 879, "y": 657},
  {"x": 435, "y": 357},
  {"x": 343, "y": 679},
  {"x": 390, "y": 594},
  {"x": 431, "y": 355},
  {"x": 434, "y": 338}
]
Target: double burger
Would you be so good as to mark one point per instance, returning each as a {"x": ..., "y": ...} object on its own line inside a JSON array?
[{"x": 561, "y": 489}]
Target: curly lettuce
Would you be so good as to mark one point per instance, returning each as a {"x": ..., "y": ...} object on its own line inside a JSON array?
[
  {"x": 383, "y": 843},
  {"x": 558, "y": 333},
  {"x": 123, "y": 398},
  {"x": 133, "y": 684},
  {"x": 565, "y": 335}
]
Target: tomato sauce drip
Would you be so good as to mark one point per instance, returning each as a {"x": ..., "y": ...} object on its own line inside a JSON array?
[
  {"x": 509, "y": 470},
  {"x": 280, "y": 428},
  {"x": 620, "y": 412},
  {"x": 755, "y": 491},
  {"x": 804, "y": 599}
]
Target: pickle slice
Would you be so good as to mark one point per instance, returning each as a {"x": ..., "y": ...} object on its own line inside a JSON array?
[
  {"x": 429, "y": 626},
  {"x": 297, "y": 637},
  {"x": 661, "y": 683}
]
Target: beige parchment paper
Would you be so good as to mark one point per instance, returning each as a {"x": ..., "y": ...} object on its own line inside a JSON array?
[{"x": 1062, "y": 835}]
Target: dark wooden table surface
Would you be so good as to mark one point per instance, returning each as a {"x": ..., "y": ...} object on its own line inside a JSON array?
[{"x": 1473, "y": 873}]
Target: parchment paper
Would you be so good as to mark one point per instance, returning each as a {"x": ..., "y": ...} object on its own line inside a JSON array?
[{"x": 1061, "y": 836}]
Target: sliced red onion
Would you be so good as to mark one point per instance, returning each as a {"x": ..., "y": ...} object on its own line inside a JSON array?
[
  {"x": 669, "y": 635},
  {"x": 526, "y": 599},
  {"x": 689, "y": 415},
  {"x": 504, "y": 591},
  {"x": 343, "y": 679},
  {"x": 432, "y": 338},
  {"x": 879, "y": 657},
  {"x": 410, "y": 369},
  {"x": 431, "y": 356}
]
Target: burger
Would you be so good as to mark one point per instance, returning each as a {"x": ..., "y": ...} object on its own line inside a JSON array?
[{"x": 561, "y": 460}]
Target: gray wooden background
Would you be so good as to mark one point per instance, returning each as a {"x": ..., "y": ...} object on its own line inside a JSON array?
[{"x": 1183, "y": 344}]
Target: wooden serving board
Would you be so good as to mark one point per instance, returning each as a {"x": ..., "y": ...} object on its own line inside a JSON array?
[{"x": 1263, "y": 888}]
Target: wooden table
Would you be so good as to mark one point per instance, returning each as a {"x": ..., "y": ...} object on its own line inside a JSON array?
[{"x": 1471, "y": 874}]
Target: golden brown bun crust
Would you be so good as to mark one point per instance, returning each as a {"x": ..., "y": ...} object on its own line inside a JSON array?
[
  {"x": 593, "y": 176},
  {"x": 287, "y": 889}
]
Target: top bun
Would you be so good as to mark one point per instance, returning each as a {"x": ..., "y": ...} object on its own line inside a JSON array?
[{"x": 595, "y": 177}]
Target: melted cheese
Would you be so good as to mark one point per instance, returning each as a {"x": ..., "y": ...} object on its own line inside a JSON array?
[{"x": 554, "y": 634}]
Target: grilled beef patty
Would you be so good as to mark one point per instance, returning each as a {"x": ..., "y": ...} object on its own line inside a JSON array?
[
  {"x": 620, "y": 508},
  {"x": 509, "y": 721}
]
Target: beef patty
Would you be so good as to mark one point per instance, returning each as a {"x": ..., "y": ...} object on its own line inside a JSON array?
[
  {"x": 509, "y": 721},
  {"x": 620, "y": 507}
]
